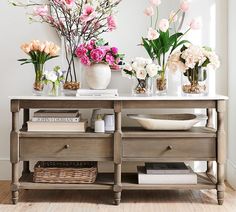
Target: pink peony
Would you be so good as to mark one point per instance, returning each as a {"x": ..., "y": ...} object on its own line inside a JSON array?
[
  {"x": 81, "y": 51},
  {"x": 97, "y": 55},
  {"x": 184, "y": 5},
  {"x": 164, "y": 25},
  {"x": 85, "y": 60},
  {"x": 111, "y": 23},
  {"x": 155, "y": 2},
  {"x": 110, "y": 59},
  {"x": 114, "y": 50},
  {"x": 195, "y": 24},
  {"x": 149, "y": 11},
  {"x": 92, "y": 42},
  {"x": 152, "y": 34},
  {"x": 41, "y": 11}
]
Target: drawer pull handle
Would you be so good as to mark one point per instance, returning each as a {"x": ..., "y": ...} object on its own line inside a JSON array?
[
  {"x": 169, "y": 148},
  {"x": 67, "y": 146}
]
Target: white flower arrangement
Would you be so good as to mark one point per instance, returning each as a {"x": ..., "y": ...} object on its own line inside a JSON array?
[{"x": 140, "y": 68}]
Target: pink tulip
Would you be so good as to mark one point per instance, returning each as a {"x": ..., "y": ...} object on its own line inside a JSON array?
[
  {"x": 195, "y": 24},
  {"x": 111, "y": 23},
  {"x": 41, "y": 10},
  {"x": 164, "y": 25},
  {"x": 184, "y": 5},
  {"x": 152, "y": 34},
  {"x": 149, "y": 11},
  {"x": 155, "y": 2}
]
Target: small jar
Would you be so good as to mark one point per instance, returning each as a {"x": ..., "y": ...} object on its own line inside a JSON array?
[{"x": 99, "y": 125}]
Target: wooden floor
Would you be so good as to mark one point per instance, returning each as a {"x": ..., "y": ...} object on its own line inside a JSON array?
[{"x": 101, "y": 201}]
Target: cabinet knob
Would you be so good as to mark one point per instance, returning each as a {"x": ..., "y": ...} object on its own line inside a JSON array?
[
  {"x": 169, "y": 148},
  {"x": 67, "y": 146}
]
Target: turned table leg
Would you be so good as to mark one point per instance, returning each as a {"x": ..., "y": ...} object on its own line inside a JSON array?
[
  {"x": 14, "y": 151},
  {"x": 209, "y": 124},
  {"x": 221, "y": 151},
  {"x": 117, "y": 188},
  {"x": 26, "y": 164}
]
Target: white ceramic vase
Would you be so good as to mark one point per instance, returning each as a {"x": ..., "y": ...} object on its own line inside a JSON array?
[{"x": 98, "y": 76}]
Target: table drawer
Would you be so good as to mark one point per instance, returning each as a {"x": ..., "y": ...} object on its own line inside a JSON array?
[
  {"x": 187, "y": 148},
  {"x": 94, "y": 149}
]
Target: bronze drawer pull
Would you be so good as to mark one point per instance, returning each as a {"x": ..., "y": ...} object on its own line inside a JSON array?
[
  {"x": 67, "y": 146},
  {"x": 169, "y": 148}
]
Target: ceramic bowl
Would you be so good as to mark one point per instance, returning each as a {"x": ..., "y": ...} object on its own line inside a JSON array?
[{"x": 167, "y": 121}]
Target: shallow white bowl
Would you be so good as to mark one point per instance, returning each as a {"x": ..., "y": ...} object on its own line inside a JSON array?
[{"x": 167, "y": 121}]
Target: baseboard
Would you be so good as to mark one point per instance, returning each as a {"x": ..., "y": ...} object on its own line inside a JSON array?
[
  {"x": 231, "y": 173},
  {"x": 5, "y": 167}
]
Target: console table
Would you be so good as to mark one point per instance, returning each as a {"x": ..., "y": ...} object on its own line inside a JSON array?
[{"x": 125, "y": 144}]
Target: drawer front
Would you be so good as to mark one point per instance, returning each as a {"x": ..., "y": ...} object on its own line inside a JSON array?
[
  {"x": 94, "y": 149},
  {"x": 187, "y": 148}
]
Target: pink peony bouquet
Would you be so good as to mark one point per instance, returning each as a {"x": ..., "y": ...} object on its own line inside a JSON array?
[{"x": 99, "y": 52}]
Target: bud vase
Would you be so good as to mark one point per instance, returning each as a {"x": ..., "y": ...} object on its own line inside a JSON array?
[
  {"x": 142, "y": 87},
  {"x": 52, "y": 89},
  {"x": 162, "y": 83},
  {"x": 195, "y": 82},
  {"x": 38, "y": 83}
]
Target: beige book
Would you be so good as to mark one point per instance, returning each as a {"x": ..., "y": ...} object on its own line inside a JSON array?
[{"x": 57, "y": 126}]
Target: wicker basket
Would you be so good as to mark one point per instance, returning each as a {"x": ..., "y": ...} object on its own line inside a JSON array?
[{"x": 65, "y": 172}]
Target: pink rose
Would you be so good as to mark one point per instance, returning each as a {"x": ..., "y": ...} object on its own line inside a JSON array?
[
  {"x": 149, "y": 11},
  {"x": 184, "y": 5},
  {"x": 155, "y": 2},
  {"x": 85, "y": 60},
  {"x": 114, "y": 50},
  {"x": 164, "y": 25},
  {"x": 152, "y": 34},
  {"x": 92, "y": 42},
  {"x": 105, "y": 49},
  {"x": 111, "y": 23},
  {"x": 195, "y": 24},
  {"x": 81, "y": 51},
  {"x": 89, "y": 47},
  {"x": 41, "y": 11},
  {"x": 97, "y": 55},
  {"x": 110, "y": 59}
]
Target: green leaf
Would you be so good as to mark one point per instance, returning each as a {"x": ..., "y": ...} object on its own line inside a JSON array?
[{"x": 148, "y": 48}]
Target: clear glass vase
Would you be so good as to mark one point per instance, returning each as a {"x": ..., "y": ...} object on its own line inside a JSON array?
[
  {"x": 162, "y": 83},
  {"x": 38, "y": 83},
  {"x": 195, "y": 82},
  {"x": 142, "y": 87},
  {"x": 52, "y": 89},
  {"x": 71, "y": 65}
]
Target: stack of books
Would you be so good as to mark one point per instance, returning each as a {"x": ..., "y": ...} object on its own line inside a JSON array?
[
  {"x": 97, "y": 93},
  {"x": 166, "y": 173},
  {"x": 57, "y": 121}
]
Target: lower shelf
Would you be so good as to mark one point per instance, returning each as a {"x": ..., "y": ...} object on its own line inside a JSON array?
[{"x": 105, "y": 181}]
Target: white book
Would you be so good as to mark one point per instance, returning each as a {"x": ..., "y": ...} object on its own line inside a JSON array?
[
  {"x": 102, "y": 93},
  {"x": 57, "y": 126},
  {"x": 54, "y": 119},
  {"x": 165, "y": 179}
]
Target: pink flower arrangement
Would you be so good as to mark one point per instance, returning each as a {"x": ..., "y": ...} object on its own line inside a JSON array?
[{"x": 99, "y": 52}]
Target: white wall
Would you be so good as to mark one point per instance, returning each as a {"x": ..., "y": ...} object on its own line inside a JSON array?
[
  {"x": 17, "y": 80},
  {"x": 231, "y": 163}
]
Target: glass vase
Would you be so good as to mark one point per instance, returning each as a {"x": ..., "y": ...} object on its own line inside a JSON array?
[
  {"x": 195, "y": 82},
  {"x": 72, "y": 66},
  {"x": 162, "y": 83},
  {"x": 142, "y": 87},
  {"x": 38, "y": 83},
  {"x": 52, "y": 89}
]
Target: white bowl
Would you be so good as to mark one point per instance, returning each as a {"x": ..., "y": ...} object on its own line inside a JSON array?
[{"x": 167, "y": 121}]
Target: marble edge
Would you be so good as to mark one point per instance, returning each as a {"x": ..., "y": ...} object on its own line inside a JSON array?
[{"x": 121, "y": 97}]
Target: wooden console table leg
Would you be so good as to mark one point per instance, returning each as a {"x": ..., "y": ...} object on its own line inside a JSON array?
[
  {"x": 14, "y": 151},
  {"x": 221, "y": 151},
  {"x": 210, "y": 124},
  {"x": 117, "y": 188},
  {"x": 26, "y": 164}
]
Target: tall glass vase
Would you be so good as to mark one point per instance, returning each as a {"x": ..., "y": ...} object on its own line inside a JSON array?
[
  {"x": 38, "y": 83},
  {"x": 72, "y": 67}
]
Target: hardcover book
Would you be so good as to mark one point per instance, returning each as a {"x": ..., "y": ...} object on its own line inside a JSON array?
[
  {"x": 57, "y": 113},
  {"x": 165, "y": 179},
  {"x": 166, "y": 168},
  {"x": 56, "y": 119}
]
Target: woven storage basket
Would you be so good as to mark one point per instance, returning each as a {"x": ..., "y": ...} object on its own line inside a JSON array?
[{"x": 65, "y": 172}]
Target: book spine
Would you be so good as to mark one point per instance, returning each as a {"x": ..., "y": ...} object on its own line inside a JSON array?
[{"x": 54, "y": 119}]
